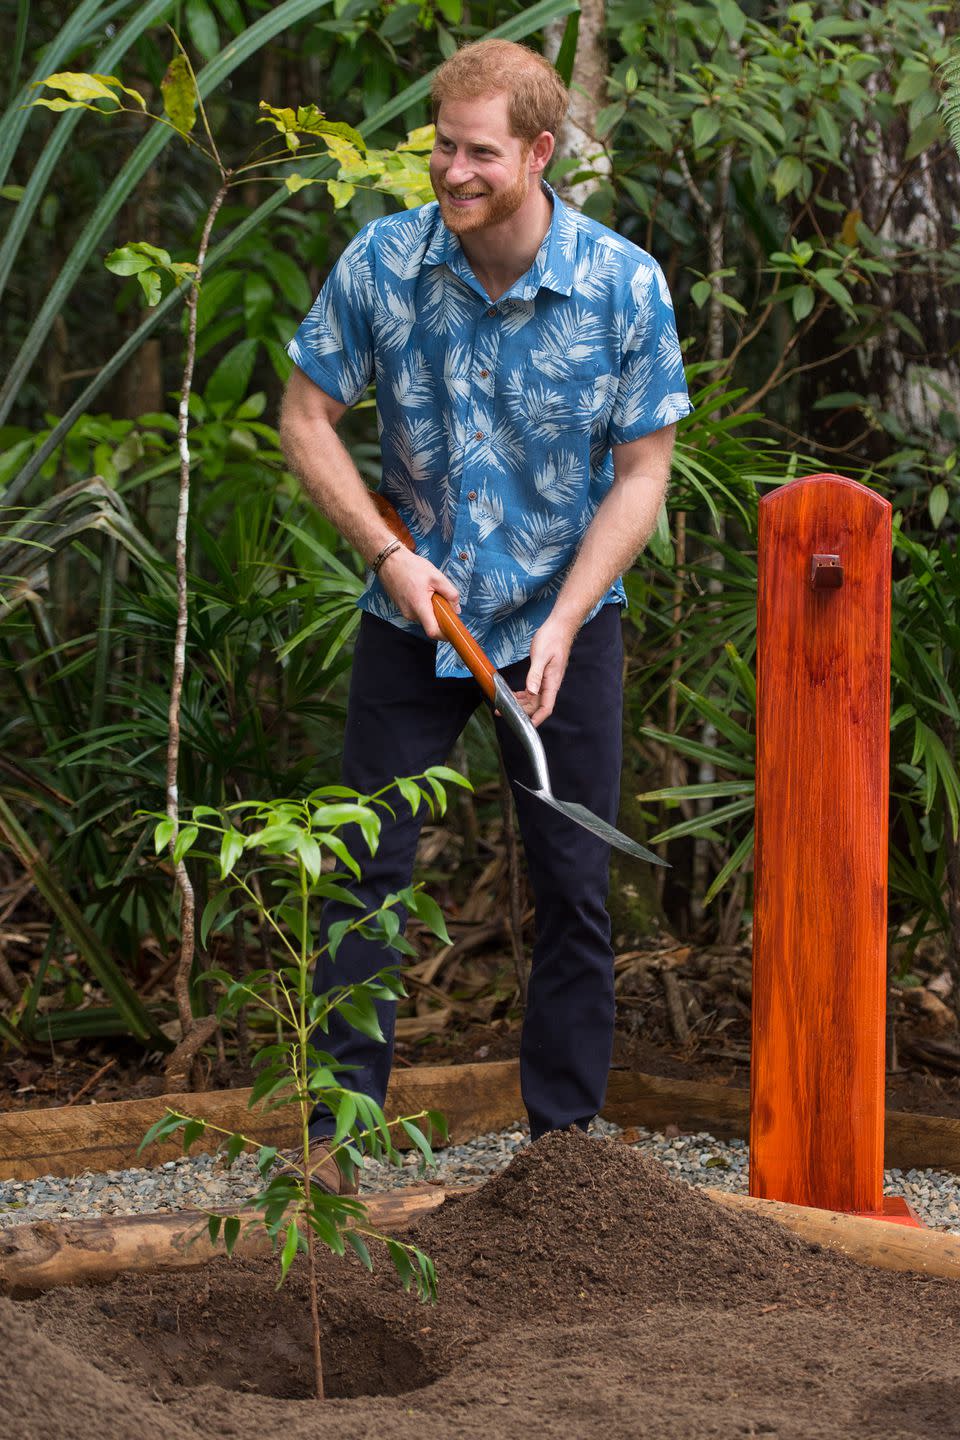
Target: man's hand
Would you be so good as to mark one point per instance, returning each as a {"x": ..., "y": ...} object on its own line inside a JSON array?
[
  {"x": 549, "y": 654},
  {"x": 411, "y": 582}
]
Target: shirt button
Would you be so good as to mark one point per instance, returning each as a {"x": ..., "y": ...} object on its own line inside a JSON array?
[
  {"x": 492, "y": 310},
  {"x": 478, "y": 435},
  {"x": 484, "y": 374},
  {"x": 472, "y": 495},
  {"x": 464, "y": 555}
]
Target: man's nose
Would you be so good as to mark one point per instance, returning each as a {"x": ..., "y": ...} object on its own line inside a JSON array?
[{"x": 459, "y": 170}]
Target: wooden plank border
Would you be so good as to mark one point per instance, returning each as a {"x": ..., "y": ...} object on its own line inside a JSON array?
[{"x": 475, "y": 1099}]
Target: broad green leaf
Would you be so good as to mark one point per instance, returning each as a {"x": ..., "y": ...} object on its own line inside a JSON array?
[
  {"x": 163, "y": 834},
  {"x": 231, "y": 848},
  {"x": 939, "y": 503},
  {"x": 430, "y": 913},
  {"x": 213, "y": 1228},
  {"x": 202, "y": 27},
  {"x": 128, "y": 260},
  {"x": 179, "y": 95},
  {"x": 732, "y": 18},
  {"x": 228, "y": 383},
  {"x": 231, "y": 1232},
  {"x": 705, "y": 124},
  {"x": 340, "y": 193},
  {"x": 184, "y": 841},
  {"x": 802, "y": 302},
  {"x": 787, "y": 175},
  {"x": 911, "y": 84},
  {"x": 149, "y": 282},
  {"x": 192, "y": 1131},
  {"x": 85, "y": 88}
]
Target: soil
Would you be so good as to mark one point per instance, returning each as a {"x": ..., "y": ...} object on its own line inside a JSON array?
[{"x": 583, "y": 1293}]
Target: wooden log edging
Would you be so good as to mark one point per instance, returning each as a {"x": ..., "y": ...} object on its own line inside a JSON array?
[
  {"x": 475, "y": 1099},
  {"x": 48, "y": 1253},
  {"x": 877, "y": 1243},
  {"x": 37, "y": 1257}
]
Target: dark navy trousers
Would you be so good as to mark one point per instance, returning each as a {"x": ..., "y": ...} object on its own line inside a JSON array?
[{"x": 401, "y": 719}]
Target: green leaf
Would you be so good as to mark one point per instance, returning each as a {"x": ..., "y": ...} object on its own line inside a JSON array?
[
  {"x": 212, "y": 912},
  {"x": 228, "y": 383},
  {"x": 88, "y": 88},
  {"x": 341, "y": 193},
  {"x": 163, "y": 834},
  {"x": 742, "y": 852},
  {"x": 356, "y": 1243},
  {"x": 430, "y": 913},
  {"x": 706, "y": 123},
  {"x": 231, "y": 1232},
  {"x": 192, "y": 1131},
  {"x": 452, "y": 777},
  {"x": 231, "y": 848},
  {"x": 912, "y": 83},
  {"x": 927, "y": 133},
  {"x": 827, "y": 129},
  {"x": 700, "y": 293},
  {"x": 202, "y": 26},
  {"x": 184, "y": 841},
  {"x": 179, "y": 92},
  {"x": 236, "y": 1145},
  {"x": 130, "y": 260},
  {"x": 213, "y": 1228},
  {"x": 346, "y": 1113},
  {"x": 939, "y": 503},
  {"x": 732, "y": 18},
  {"x": 289, "y": 1249},
  {"x": 150, "y": 285},
  {"x": 787, "y": 175},
  {"x": 802, "y": 302},
  {"x": 289, "y": 278},
  {"x": 567, "y": 54}
]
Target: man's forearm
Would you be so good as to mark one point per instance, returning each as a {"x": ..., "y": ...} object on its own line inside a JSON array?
[{"x": 322, "y": 464}]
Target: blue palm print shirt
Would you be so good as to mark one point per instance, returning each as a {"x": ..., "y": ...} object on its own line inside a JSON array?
[{"x": 496, "y": 418}]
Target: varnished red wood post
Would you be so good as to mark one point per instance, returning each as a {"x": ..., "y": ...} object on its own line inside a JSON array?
[{"x": 823, "y": 734}]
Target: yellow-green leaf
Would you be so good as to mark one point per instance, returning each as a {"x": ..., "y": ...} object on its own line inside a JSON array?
[
  {"x": 79, "y": 86},
  {"x": 340, "y": 193},
  {"x": 179, "y": 95},
  {"x": 420, "y": 139}
]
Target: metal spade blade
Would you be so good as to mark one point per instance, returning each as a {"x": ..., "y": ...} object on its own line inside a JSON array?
[{"x": 522, "y": 726}]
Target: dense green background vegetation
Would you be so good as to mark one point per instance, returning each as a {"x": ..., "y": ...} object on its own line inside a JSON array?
[{"x": 788, "y": 166}]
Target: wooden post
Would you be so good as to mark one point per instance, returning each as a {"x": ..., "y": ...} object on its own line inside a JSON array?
[{"x": 823, "y": 734}]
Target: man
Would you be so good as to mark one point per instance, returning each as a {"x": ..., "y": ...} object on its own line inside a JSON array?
[{"x": 528, "y": 379}]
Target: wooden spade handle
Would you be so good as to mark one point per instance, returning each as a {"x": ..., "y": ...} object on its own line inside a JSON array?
[{"x": 451, "y": 626}]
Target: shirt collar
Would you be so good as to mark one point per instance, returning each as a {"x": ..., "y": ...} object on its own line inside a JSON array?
[{"x": 551, "y": 270}]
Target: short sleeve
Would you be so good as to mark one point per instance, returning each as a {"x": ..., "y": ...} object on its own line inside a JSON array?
[
  {"x": 334, "y": 344},
  {"x": 652, "y": 391}
]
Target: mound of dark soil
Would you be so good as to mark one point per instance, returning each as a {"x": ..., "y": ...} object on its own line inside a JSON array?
[{"x": 582, "y": 1293}]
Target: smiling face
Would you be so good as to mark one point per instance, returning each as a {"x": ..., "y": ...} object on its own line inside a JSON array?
[{"x": 480, "y": 172}]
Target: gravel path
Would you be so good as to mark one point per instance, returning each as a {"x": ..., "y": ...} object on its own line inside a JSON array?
[{"x": 203, "y": 1182}]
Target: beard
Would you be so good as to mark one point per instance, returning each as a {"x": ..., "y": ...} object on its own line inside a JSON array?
[{"x": 492, "y": 209}]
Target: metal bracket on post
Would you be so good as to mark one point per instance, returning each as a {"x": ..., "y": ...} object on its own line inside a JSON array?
[{"x": 826, "y": 572}]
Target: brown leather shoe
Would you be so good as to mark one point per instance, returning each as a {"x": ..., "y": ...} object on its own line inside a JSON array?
[{"x": 325, "y": 1173}]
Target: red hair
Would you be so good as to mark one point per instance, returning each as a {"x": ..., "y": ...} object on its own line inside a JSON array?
[{"x": 537, "y": 97}]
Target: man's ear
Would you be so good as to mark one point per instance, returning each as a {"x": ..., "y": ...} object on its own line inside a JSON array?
[{"x": 541, "y": 151}]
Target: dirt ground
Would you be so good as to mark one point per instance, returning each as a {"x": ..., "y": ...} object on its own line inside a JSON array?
[{"x": 583, "y": 1293}]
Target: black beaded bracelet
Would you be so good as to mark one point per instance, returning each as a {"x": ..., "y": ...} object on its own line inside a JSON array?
[{"x": 387, "y": 550}]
